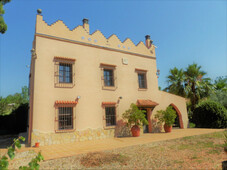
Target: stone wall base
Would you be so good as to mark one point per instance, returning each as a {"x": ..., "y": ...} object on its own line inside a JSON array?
[{"x": 70, "y": 137}]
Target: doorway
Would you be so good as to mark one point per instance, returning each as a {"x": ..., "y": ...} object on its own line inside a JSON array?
[{"x": 145, "y": 127}]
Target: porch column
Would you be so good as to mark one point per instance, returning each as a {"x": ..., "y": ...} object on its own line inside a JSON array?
[{"x": 149, "y": 112}]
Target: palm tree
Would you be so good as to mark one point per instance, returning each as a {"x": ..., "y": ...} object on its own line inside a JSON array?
[
  {"x": 176, "y": 81},
  {"x": 196, "y": 86}
]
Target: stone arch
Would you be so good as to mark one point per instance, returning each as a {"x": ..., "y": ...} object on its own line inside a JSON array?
[{"x": 179, "y": 115}]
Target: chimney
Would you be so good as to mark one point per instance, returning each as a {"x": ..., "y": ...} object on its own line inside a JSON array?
[
  {"x": 86, "y": 25},
  {"x": 148, "y": 41}
]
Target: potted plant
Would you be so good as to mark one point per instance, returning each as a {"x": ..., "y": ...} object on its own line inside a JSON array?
[
  {"x": 135, "y": 118},
  {"x": 168, "y": 117}
]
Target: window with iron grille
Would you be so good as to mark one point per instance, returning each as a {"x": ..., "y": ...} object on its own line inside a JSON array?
[
  {"x": 108, "y": 77},
  {"x": 142, "y": 80},
  {"x": 65, "y": 73},
  {"x": 110, "y": 116},
  {"x": 65, "y": 118}
]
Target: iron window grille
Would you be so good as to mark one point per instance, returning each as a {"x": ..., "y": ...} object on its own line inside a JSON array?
[
  {"x": 108, "y": 77},
  {"x": 142, "y": 80},
  {"x": 64, "y": 73},
  {"x": 110, "y": 115},
  {"x": 65, "y": 118}
]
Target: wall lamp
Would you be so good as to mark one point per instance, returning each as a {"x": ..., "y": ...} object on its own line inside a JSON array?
[{"x": 158, "y": 73}]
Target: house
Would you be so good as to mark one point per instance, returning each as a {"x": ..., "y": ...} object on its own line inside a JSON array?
[{"x": 82, "y": 82}]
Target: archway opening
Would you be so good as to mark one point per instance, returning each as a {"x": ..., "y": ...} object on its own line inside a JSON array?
[{"x": 178, "y": 121}]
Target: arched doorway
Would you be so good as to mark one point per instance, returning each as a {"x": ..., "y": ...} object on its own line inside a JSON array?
[{"x": 178, "y": 120}]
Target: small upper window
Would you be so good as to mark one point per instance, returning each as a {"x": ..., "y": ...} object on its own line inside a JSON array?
[
  {"x": 142, "y": 80},
  {"x": 65, "y": 73},
  {"x": 108, "y": 77}
]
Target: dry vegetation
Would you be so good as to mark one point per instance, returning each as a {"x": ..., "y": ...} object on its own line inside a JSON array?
[
  {"x": 102, "y": 158},
  {"x": 196, "y": 152}
]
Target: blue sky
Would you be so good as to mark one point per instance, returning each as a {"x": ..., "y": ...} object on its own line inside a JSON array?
[{"x": 184, "y": 32}]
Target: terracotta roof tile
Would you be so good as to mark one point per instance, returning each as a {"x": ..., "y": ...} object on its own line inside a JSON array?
[
  {"x": 64, "y": 58},
  {"x": 65, "y": 102},
  {"x": 108, "y": 103},
  {"x": 149, "y": 103}
]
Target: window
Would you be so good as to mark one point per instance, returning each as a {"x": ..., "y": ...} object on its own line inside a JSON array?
[
  {"x": 65, "y": 73},
  {"x": 110, "y": 115},
  {"x": 65, "y": 118},
  {"x": 108, "y": 77},
  {"x": 142, "y": 80}
]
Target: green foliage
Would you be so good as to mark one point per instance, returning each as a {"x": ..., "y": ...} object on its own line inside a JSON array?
[
  {"x": 220, "y": 97},
  {"x": 176, "y": 80},
  {"x": 221, "y": 83},
  {"x": 210, "y": 114},
  {"x": 189, "y": 83},
  {"x": 3, "y": 26},
  {"x": 33, "y": 164},
  {"x": 12, "y": 102},
  {"x": 167, "y": 116},
  {"x": 220, "y": 93},
  {"x": 135, "y": 116},
  {"x": 192, "y": 125}
]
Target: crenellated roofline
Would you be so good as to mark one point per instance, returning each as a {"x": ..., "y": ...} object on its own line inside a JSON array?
[{"x": 60, "y": 30}]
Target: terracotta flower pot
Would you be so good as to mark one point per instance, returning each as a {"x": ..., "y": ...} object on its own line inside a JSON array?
[
  {"x": 37, "y": 144},
  {"x": 135, "y": 131},
  {"x": 167, "y": 128}
]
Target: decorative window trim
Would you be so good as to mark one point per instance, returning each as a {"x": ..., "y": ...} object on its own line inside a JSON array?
[
  {"x": 141, "y": 71},
  {"x": 109, "y": 104},
  {"x": 63, "y": 60},
  {"x": 109, "y": 67},
  {"x": 59, "y": 104}
]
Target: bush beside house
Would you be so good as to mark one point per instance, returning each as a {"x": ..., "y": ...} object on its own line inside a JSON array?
[{"x": 210, "y": 114}]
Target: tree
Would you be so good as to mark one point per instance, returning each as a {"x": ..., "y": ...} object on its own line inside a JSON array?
[
  {"x": 189, "y": 83},
  {"x": 196, "y": 85},
  {"x": 221, "y": 83},
  {"x": 176, "y": 82},
  {"x": 24, "y": 95},
  {"x": 3, "y": 26},
  {"x": 12, "y": 102},
  {"x": 220, "y": 91}
]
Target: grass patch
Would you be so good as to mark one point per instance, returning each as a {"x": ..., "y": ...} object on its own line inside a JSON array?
[
  {"x": 101, "y": 158},
  {"x": 178, "y": 162}
]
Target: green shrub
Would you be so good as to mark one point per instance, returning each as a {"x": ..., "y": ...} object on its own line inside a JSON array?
[
  {"x": 4, "y": 160},
  {"x": 167, "y": 116},
  {"x": 191, "y": 125},
  {"x": 210, "y": 114},
  {"x": 135, "y": 116}
]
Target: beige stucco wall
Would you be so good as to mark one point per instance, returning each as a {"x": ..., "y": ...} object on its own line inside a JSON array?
[{"x": 88, "y": 84}]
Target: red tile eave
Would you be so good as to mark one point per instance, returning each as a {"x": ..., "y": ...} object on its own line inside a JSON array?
[
  {"x": 108, "y": 65},
  {"x": 108, "y": 103},
  {"x": 146, "y": 103},
  {"x": 142, "y": 70},
  {"x": 64, "y": 58},
  {"x": 65, "y": 102}
]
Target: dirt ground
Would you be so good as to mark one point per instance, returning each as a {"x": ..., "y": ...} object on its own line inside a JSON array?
[{"x": 196, "y": 152}]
